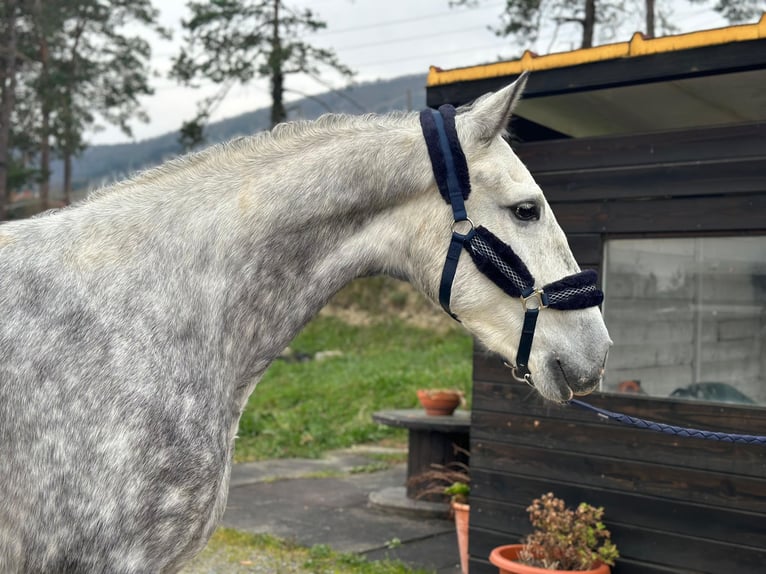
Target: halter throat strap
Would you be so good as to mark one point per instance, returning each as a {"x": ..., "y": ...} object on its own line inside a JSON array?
[{"x": 492, "y": 256}]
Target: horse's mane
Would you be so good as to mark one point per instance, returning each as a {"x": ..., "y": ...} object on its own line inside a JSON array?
[
  {"x": 331, "y": 125},
  {"x": 285, "y": 137}
]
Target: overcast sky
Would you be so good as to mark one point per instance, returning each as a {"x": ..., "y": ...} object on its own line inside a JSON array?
[{"x": 377, "y": 39}]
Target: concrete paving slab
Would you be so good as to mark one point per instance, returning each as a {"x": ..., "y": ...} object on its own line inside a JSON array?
[
  {"x": 282, "y": 498},
  {"x": 394, "y": 499},
  {"x": 437, "y": 553},
  {"x": 344, "y": 461}
]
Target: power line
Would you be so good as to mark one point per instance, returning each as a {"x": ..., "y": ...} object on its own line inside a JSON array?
[
  {"x": 430, "y": 55},
  {"x": 405, "y": 20},
  {"x": 452, "y": 32},
  {"x": 409, "y": 38},
  {"x": 402, "y": 40},
  {"x": 700, "y": 13}
]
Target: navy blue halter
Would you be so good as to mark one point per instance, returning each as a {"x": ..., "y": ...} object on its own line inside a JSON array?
[
  {"x": 491, "y": 256},
  {"x": 501, "y": 265}
]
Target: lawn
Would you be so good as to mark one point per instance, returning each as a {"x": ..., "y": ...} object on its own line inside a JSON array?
[
  {"x": 385, "y": 346},
  {"x": 304, "y": 408},
  {"x": 236, "y": 552}
]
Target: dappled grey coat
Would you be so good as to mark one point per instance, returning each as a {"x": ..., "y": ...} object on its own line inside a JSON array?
[{"x": 134, "y": 326}]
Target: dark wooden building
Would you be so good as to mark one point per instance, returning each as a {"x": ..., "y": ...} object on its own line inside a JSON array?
[{"x": 652, "y": 154}]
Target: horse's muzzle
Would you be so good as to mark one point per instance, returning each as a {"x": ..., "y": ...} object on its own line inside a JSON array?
[{"x": 572, "y": 383}]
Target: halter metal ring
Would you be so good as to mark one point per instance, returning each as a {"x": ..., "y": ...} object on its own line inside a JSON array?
[
  {"x": 458, "y": 222},
  {"x": 526, "y": 378},
  {"x": 535, "y": 300}
]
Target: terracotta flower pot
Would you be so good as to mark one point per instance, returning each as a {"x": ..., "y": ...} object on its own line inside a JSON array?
[
  {"x": 462, "y": 515},
  {"x": 439, "y": 402},
  {"x": 504, "y": 557}
]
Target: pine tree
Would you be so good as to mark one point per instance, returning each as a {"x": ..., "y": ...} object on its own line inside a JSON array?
[
  {"x": 8, "y": 65},
  {"x": 736, "y": 11},
  {"x": 238, "y": 41},
  {"x": 523, "y": 20},
  {"x": 89, "y": 68}
]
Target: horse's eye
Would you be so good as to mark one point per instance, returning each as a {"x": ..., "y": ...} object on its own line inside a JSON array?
[{"x": 526, "y": 211}]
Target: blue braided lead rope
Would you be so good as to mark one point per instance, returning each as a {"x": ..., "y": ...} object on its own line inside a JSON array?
[{"x": 670, "y": 429}]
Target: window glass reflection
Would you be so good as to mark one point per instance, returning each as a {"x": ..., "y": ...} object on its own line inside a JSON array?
[{"x": 688, "y": 318}]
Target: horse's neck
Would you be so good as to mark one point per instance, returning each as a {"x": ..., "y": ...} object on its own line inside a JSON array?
[{"x": 279, "y": 234}]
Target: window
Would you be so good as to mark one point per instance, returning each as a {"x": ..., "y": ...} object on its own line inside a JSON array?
[{"x": 688, "y": 317}]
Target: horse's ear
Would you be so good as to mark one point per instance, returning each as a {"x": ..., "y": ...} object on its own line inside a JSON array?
[{"x": 489, "y": 115}]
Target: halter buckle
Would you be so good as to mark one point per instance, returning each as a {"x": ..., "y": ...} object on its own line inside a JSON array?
[{"x": 537, "y": 299}]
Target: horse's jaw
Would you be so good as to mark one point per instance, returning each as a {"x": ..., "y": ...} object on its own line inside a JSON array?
[{"x": 569, "y": 350}]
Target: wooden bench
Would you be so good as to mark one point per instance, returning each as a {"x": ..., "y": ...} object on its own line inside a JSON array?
[{"x": 432, "y": 439}]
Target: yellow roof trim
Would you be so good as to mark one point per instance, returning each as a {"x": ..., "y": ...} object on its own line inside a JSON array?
[{"x": 637, "y": 46}]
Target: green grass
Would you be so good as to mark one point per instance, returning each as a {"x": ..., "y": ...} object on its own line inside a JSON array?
[
  {"x": 240, "y": 552},
  {"x": 305, "y": 409}
]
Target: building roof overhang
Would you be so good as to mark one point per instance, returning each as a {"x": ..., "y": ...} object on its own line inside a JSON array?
[{"x": 712, "y": 77}]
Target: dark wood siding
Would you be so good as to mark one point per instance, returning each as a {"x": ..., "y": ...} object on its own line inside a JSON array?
[
  {"x": 672, "y": 504},
  {"x": 690, "y": 181}
]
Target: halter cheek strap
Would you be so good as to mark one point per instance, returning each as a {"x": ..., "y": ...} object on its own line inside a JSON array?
[
  {"x": 492, "y": 257},
  {"x": 451, "y": 172}
]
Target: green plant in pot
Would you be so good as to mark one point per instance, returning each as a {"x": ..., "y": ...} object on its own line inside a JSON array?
[
  {"x": 564, "y": 540},
  {"x": 458, "y": 492}
]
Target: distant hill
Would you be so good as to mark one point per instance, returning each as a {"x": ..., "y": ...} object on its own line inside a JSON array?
[{"x": 104, "y": 163}]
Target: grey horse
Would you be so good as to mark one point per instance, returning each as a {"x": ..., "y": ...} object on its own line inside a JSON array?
[{"x": 134, "y": 325}]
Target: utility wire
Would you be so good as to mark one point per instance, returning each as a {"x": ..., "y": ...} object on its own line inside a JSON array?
[
  {"x": 405, "y": 20},
  {"x": 389, "y": 42},
  {"x": 406, "y": 39},
  {"x": 418, "y": 57}
]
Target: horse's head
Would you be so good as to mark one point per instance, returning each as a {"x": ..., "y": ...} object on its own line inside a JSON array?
[{"x": 571, "y": 342}]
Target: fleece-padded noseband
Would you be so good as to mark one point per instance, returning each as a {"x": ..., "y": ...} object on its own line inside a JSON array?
[{"x": 492, "y": 257}]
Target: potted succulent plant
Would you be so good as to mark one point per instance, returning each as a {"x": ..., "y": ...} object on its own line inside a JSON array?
[
  {"x": 564, "y": 540},
  {"x": 450, "y": 481},
  {"x": 440, "y": 402}
]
